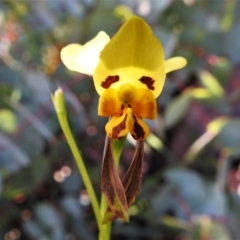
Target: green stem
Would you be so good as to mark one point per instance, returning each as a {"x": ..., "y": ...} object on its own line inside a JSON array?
[
  {"x": 106, "y": 228},
  {"x": 59, "y": 104}
]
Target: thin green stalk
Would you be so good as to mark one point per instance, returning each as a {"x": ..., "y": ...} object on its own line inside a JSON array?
[
  {"x": 106, "y": 228},
  {"x": 58, "y": 101}
]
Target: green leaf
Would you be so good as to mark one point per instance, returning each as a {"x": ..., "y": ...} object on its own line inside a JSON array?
[
  {"x": 229, "y": 134},
  {"x": 217, "y": 125},
  {"x": 177, "y": 109},
  {"x": 155, "y": 142},
  {"x": 200, "y": 93},
  {"x": 8, "y": 122},
  {"x": 228, "y": 18},
  {"x": 213, "y": 129},
  {"x": 211, "y": 83},
  {"x": 198, "y": 146}
]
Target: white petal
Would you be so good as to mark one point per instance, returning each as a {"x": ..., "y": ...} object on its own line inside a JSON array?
[{"x": 84, "y": 58}]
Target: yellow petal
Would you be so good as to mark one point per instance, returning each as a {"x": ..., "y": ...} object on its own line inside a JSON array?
[
  {"x": 139, "y": 129},
  {"x": 134, "y": 55},
  {"x": 109, "y": 104},
  {"x": 84, "y": 58},
  {"x": 144, "y": 104},
  {"x": 175, "y": 63},
  {"x": 118, "y": 127}
]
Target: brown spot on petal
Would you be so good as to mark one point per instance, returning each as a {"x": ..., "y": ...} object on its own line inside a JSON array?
[
  {"x": 116, "y": 130},
  {"x": 109, "y": 81},
  {"x": 138, "y": 130},
  {"x": 148, "y": 81}
]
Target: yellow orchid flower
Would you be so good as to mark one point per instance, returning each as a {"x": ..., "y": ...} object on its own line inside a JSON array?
[{"x": 129, "y": 71}]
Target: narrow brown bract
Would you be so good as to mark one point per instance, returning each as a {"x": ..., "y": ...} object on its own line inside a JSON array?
[
  {"x": 131, "y": 181},
  {"x": 133, "y": 177},
  {"x": 111, "y": 184}
]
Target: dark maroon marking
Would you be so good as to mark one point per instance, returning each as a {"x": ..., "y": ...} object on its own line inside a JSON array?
[
  {"x": 148, "y": 81},
  {"x": 109, "y": 81},
  {"x": 116, "y": 130},
  {"x": 138, "y": 130}
]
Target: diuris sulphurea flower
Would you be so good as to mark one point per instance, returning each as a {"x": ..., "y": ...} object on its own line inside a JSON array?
[{"x": 128, "y": 71}]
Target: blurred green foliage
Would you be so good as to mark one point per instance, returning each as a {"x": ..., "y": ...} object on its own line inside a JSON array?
[{"x": 191, "y": 182}]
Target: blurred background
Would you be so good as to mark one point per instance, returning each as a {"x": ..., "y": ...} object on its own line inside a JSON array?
[{"x": 191, "y": 184}]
